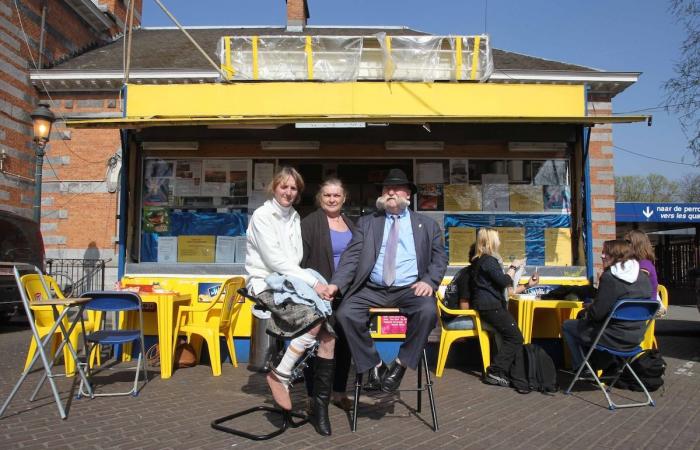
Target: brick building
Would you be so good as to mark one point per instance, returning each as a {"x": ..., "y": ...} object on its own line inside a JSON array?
[
  {"x": 77, "y": 206},
  {"x": 81, "y": 209}
]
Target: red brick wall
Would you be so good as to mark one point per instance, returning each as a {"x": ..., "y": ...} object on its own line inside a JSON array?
[
  {"x": 77, "y": 208},
  {"x": 602, "y": 177}
]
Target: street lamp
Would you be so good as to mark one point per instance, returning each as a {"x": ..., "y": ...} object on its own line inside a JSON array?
[{"x": 42, "y": 119}]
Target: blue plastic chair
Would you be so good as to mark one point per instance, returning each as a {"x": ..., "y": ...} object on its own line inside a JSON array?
[
  {"x": 119, "y": 302},
  {"x": 628, "y": 310}
]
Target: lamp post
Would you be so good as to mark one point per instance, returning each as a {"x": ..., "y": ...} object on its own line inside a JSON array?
[{"x": 42, "y": 119}]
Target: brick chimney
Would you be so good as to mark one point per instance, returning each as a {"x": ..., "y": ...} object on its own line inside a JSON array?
[{"x": 297, "y": 15}]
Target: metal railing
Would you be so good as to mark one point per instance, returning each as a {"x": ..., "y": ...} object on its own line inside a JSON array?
[{"x": 75, "y": 276}]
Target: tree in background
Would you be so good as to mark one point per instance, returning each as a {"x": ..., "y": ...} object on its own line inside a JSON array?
[
  {"x": 683, "y": 91},
  {"x": 651, "y": 188},
  {"x": 689, "y": 187}
]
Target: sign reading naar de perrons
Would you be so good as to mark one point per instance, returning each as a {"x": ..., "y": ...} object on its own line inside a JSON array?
[{"x": 657, "y": 212}]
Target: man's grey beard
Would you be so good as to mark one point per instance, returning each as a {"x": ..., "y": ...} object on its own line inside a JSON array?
[{"x": 400, "y": 201}]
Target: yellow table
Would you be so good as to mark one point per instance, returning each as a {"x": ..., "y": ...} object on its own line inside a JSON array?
[
  {"x": 165, "y": 310},
  {"x": 524, "y": 310}
]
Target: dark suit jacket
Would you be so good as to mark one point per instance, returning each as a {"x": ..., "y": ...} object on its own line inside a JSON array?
[
  {"x": 318, "y": 250},
  {"x": 359, "y": 258}
]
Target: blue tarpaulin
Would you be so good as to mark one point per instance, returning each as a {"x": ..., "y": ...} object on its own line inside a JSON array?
[
  {"x": 534, "y": 225},
  {"x": 187, "y": 223}
]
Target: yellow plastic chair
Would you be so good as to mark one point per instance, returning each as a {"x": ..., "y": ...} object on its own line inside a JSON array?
[
  {"x": 649, "y": 338},
  {"x": 448, "y": 337},
  {"x": 44, "y": 320},
  {"x": 212, "y": 320}
]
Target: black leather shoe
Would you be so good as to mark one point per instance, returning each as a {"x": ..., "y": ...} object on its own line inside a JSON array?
[
  {"x": 392, "y": 380},
  {"x": 375, "y": 377}
]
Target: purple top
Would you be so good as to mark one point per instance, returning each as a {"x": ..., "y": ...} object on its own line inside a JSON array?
[
  {"x": 339, "y": 242},
  {"x": 647, "y": 265}
]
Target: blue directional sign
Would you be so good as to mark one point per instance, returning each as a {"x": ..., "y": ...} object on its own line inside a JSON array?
[{"x": 657, "y": 212}]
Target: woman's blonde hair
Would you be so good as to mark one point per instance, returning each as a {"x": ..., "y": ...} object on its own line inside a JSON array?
[
  {"x": 641, "y": 246},
  {"x": 330, "y": 182},
  {"x": 282, "y": 174},
  {"x": 487, "y": 242}
]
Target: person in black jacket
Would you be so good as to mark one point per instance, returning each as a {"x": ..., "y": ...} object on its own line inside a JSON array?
[
  {"x": 325, "y": 234},
  {"x": 488, "y": 287},
  {"x": 621, "y": 278}
]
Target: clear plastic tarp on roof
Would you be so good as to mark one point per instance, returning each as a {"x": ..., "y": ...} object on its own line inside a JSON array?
[{"x": 352, "y": 58}]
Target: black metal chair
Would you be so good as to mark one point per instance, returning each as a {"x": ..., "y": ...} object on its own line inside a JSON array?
[
  {"x": 420, "y": 386},
  {"x": 286, "y": 416}
]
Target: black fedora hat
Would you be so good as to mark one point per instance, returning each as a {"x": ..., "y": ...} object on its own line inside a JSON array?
[{"x": 397, "y": 177}]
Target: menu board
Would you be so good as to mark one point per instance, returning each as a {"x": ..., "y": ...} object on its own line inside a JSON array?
[
  {"x": 461, "y": 238},
  {"x": 524, "y": 197},
  {"x": 196, "y": 249},
  {"x": 557, "y": 247},
  {"x": 512, "y": 243}
]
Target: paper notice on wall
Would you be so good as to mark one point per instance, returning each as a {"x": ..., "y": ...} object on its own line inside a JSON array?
[
  {"x": 512, "y": 243},
  {"x": 225, "y": 249},
  {"x": 462, "y": 197},
  {"x": 459, "y": 171},
  {"x": 188, "y": 178},
  {"x": 262, "y": 175},
  {"x": 241, "y": 245},
  {"x": 460, "y": 239},
  {"x": 557, "y": 247},
  {"x": 196, "y": 249},
  {"x": 215, "y": 180},
  {"x": 167, "y": 249},
  {"x": 429, "y": 173},
  {"x": 524, "y": 197},
  {"x": 495, "y": 197}
]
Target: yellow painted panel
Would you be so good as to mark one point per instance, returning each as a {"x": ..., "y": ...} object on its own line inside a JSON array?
[{"x": 362, "y": 99}]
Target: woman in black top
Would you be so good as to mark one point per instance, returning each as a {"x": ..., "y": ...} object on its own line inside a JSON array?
[
  {"x": 489, "y": 284},
  {"x": 325, "y": 234}
]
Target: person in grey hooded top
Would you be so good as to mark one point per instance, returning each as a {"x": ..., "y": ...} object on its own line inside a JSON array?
[{"x": 621, "y": 279}]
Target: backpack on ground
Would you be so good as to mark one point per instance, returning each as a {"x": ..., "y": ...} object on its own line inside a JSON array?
[
  {"x": 451, "y": 297},
  {"x": 533, "y": 370},
  {"x": 650, "y": 367}
]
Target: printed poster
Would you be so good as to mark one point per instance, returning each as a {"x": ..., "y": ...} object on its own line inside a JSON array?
[
  {"x": 167, "y": 249},
  {"x": 157, "y": 191},
  {"x": 557, "y": 198},
  {"x": 196, "y": 249},
  {"x": 512, "y": 243},
  {"x": 430, "y": 197},
  {"x": 188, "y": 178},
  {"x": 524, "y": 197},
  {"x": 238, "y": 178},
  {"x": 393, "y": 324},
  {"x": 460, "y": 239},
  {"x": 495, "y": 194},
  {"x": 262, "y": 175},
  {"x": 215, "y": 182},
  {"x": 225, "y": 249},
  {"x": 462, "y": 197},
  {"x": 156, "y": 219},
  {"x": 459, "y": 171},
  {"x": 557, "y": 247},
  {"x": 430, "y": 173}
]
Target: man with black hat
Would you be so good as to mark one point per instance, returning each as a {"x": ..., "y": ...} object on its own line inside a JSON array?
[{"x": 396, "y": 258}]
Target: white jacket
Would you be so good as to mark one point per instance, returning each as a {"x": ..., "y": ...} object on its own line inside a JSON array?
[{"x": 274, "y": 246}]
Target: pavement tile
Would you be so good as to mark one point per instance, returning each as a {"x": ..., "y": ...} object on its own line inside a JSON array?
[{"x": 176, "y": 413}]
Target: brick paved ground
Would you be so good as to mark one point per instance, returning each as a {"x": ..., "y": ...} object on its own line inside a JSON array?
[{"x": 176, "y": 413}]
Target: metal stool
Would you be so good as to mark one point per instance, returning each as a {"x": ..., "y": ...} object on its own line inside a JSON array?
[
  {"x": 287, "y": 416},
  {"x": 420, "y": 387}
]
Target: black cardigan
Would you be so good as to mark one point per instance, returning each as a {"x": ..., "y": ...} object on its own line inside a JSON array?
[
  {"x": 618, "y": 335},
  {"x": 488, "y": 283},
  {"x": 316, "y": 237}
]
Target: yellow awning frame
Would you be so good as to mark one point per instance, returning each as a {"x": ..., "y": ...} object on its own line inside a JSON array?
[{"x": 383, "y": 102}]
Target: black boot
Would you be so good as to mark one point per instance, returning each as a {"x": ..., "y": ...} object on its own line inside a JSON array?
[{"x": 323, "y": 382}]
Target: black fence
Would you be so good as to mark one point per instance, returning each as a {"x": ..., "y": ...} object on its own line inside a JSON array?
[
  {"x": 677, "y": 264},
  {"x": 75, "y": 276}
]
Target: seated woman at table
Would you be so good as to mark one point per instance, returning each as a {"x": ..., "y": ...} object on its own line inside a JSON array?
[
  {"x": 326, "y": 234},
  {"x": 275, "y": 249},
  {"x": 644, "y": 252},
  {"x": 488, "y": 287},
  {"x": 621, "y": 278}
]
